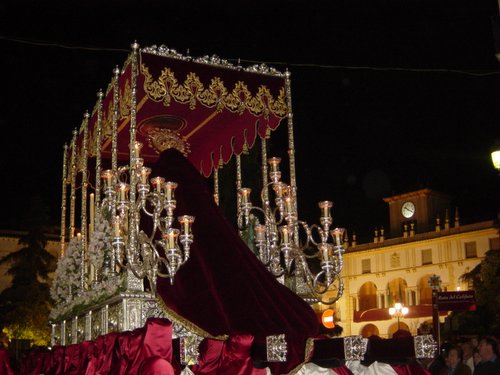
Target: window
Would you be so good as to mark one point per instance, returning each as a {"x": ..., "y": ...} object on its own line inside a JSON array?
[
  {"x": 426, "y": 256},
  {"x": 366, "y": 266},
  {"x": 470, "y": 250},
  {"x": 495, "y": 243}
]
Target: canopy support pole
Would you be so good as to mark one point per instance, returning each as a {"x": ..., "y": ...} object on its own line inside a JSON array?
[
  {"x": 63, "y": 200},
  {"x": 73, "y": 187},
  {"x": 85, "y": 183},
  {"x": 98, "y": 158}
]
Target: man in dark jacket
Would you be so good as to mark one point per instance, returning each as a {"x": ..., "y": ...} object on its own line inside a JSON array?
[{"x": 490, "y": 363}]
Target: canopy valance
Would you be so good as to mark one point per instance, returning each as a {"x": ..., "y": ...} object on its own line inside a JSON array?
[{"x": 206, "y": 108}]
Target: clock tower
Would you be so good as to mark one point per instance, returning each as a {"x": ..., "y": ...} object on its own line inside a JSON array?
[{"x": 420, "y": 208}]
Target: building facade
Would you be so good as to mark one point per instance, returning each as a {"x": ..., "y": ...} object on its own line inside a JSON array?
[{"x": 379, "y": 274}]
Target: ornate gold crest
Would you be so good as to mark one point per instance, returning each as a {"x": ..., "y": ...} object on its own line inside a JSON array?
[{"x": 163, "y": 139}]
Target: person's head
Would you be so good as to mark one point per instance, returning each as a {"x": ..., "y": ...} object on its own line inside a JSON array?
[
  {"x": 467, "y": 349},
  {"x": 487, "y": 348},
  {"x": 475, "y": 356},
  {"x": 453, "y": 357},
  {"x": 474, "y": 342}
]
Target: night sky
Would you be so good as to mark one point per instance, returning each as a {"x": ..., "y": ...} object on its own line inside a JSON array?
[{"x": 388, "y": 96}]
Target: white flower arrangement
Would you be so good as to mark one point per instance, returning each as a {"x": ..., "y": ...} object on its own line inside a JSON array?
[
  {"x": 100, "y": 246},
  {"x": 67, "y": 279},
  {"x": 66, "y": 291}
]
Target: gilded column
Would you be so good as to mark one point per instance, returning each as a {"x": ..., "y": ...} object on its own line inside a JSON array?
[
  {"x": 85, "y": 183},
  {"x": 291, "y": 145},
  {"x": 216, "y": 184},
  {"x": 63, "y": 199},
  {"x": 239, "y": 181},
  {"x": 263, "y": 151},
  {"x": 114, "y": 127},
  {"x": 98, "y": 144},
  {"x": 134, "y": 283},
  {"x": 73, "y": 187}
]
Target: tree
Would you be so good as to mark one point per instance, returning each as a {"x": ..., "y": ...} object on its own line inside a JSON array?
[
  {"x": 485, "y": 278},
  {"x": 25, "y": 305}
]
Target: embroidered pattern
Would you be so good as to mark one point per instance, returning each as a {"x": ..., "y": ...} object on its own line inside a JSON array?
[{"x": 192, "y": 91}]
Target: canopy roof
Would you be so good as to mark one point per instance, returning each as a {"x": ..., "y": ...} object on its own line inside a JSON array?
[{"x": 206, "y": 107}]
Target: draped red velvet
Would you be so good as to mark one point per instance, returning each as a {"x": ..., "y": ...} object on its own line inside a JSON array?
[
  {"x": 102, "y": 358},
  {"x": 223, "y": 288},
  {"x": 55, "y": 365},
  {"x": 77, "y": 357},
  {"x": 226, "y": 357},
  {"x": 5, "y": 368},
  {"x": 133, "y": 347},
  {"x": 342, "y": 371},
  {"x": 410, "y": 369},
  {"x": 209, "y": 358},
  {"x": 156, "y": 366},
  {"x": 113, "y": 353}
]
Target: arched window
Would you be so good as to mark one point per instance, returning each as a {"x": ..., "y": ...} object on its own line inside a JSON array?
[
  {"x": 367, "y": 296},
  {"x": 394, "y": 327},
  {"x": 369, "y": 330},
  {"x": 425, "y": 291},
  {"x": 397, "y": 291}
]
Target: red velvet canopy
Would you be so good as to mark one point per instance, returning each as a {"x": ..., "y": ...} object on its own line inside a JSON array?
[{"x": 216, "y": 109}]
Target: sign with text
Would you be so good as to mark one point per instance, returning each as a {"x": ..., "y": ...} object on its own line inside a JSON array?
[{"x": 455, "y": 301}]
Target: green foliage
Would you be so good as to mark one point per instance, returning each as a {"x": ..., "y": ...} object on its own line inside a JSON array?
[
  {"x": 485, "y": 278},
  {"x": 25, "y": 305}
]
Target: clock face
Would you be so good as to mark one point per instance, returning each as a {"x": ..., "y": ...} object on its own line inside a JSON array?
[{"x": 408, "y": 209}]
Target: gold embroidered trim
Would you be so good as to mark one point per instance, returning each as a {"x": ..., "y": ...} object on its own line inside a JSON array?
[
  {"x": 174, "y": 317},
  {"x": 192, "y": 91}
]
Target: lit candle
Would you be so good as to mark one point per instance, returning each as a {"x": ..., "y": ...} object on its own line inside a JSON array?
[
  {"x": 157, "y": 182},
  {"x": 107, "y": 176},
  {"x": 145, "y": 171},
  {"x": 274, "y": 163},
  {"x": 117, "y": 226},
  {"x": 186, "y": 222},
  {"x": 245, "y": 193},
  {"x": 123, "y": 191},
  {"x": 136, "y": 149},
  {"x": 171, "y": 237},
  {"x": 325, "y": 208},
  {"x": 260, "y": 232},
  {"x": 337, "y": 234},
  {"x": 285, "y": 234},
  {"x": 169, "y": 190},
  {"x": 288, "y": 204},
  {"x": 278, "y": 189}
]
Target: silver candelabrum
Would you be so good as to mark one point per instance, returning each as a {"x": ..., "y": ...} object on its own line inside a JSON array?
[
  {"x": 284, "y": 243},
  {"x": 158, "y": 253}
]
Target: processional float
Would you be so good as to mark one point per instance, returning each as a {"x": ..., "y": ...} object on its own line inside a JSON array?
[{"x": 152, "y": 241}]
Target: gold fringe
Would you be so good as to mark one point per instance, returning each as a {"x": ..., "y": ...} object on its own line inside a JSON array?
[{"x": 190, "y": 326}]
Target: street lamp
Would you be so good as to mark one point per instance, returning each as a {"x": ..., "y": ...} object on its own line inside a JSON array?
[
  {"x": 495, "y": 158},
  {"x": 399, "y": 311}
]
